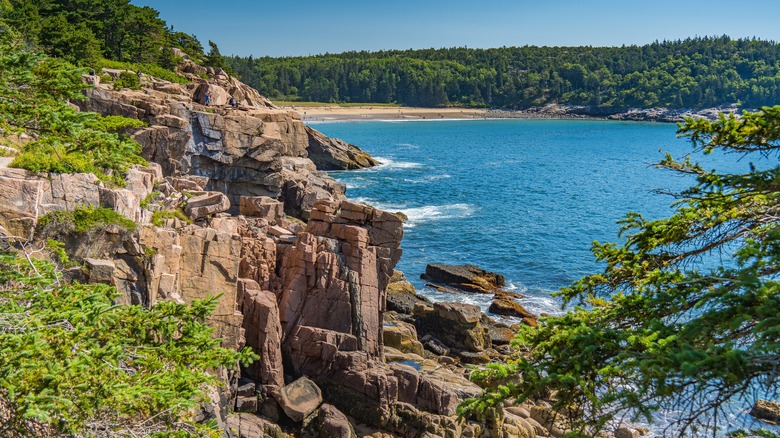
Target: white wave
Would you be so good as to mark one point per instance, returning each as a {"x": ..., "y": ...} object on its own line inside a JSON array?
[
  {"x": 427, "y": 179},
  {"x": 436, "y": 212},
  {"x": 389, "y": 163},
  {"x": 408, "y": 146}
]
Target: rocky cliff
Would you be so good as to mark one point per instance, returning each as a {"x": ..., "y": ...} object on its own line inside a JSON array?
[{"x": 233, "y": 205}]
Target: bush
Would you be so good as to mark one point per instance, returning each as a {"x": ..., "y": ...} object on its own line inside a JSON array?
[
  {"x": 127, "y": 80},
  {"x": 75, "y": 364},
  {"x": 85, "y": 219},
  {"x": 159, "y": 217},
  {"x": 149, "y": 69}
]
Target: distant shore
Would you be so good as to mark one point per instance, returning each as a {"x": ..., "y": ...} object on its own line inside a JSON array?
[
  {"x": 353, "y": 113},
  {"x": 336, "y": 113}
]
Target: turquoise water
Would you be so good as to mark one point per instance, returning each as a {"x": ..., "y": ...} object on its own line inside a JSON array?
[
  {"x": 521, "y": 197},
  {"x": 525, "y": 198}
]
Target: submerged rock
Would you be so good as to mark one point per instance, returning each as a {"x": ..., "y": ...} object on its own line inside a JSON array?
[{"x": 469, "y": 278}]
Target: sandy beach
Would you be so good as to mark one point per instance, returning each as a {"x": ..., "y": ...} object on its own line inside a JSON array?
[{"x": 339, "y": 113}]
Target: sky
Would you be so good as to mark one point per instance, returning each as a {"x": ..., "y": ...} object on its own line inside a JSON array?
[{"x": 310, "y": 27}]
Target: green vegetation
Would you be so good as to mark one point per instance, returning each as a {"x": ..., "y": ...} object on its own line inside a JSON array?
[
  {"x": 149, "y": 199},
  {"x": 159, "y": 217},
  {"x": 73, "y": 363},
  {"x": 127, "y": 79},
  {"x": 85, "y": 219},
  {"x": 686, "y": 315},
  {"x": 86, "y": 31},
  {"x": 695, "y": 73},
  {"x": 149, "y": 69},
  {"x": 35, "y": 91}
]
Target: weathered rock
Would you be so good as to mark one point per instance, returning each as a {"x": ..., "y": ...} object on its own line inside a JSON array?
[
  {"x": 262, "y": 206},
  {"x": 263, "y": 332},
  {"x": 299, "y": 399},
  {"x": 334, "y": 154},
  {"x": 100, "y": 271},
  {"x": 506, "y": 306},
  {"x": 402, "y": 336},
  {"x": 456, "y": 324},
  {"x": 206, "y": 204},
  {"x": 768, "y": 411},
  {"x": 333, "y": 423},
  {"x": 465, "y": 277},
  {"x": 401, "y": 295},
  {"x": 258, "y": 151},
  {"x": 626, "y": 432}
]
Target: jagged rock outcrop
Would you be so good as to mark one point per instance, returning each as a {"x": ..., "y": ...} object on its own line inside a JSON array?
[
  {"x": 464, "y": 277},
  {"x": 256, "y": 150},
  {"x": 334, "y": 154}
]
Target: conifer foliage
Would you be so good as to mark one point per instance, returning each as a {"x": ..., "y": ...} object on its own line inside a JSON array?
[{"x": 685, "y": 316}]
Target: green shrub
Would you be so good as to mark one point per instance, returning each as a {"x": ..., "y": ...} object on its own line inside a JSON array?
[
  {"x": 74, "y": 362},
  {"x": 149, "y": 69},
  {"x": 84, "y": 219},
  {"x": 159, "y": 217},
  {"x": 149, "y": 199},
  {"x": 127, "y": 80}
]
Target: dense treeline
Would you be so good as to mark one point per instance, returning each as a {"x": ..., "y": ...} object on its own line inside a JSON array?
[
  {"x": 85, "y": 32},
  {"x": 695, "y": 73}
]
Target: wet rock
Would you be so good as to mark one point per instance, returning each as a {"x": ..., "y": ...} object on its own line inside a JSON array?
[
  {"x": 767, "y": 411},
  {"x": 299, "y": 399},
  {"x": 506, "y": 306},
  {"x": 464, "y": 277},
  {"x": 401, "y": 295}
]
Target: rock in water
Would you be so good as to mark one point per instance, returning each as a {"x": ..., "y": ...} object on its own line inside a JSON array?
[
  {"x": 334, "y": 154},
  {"x": 464, "y": 277},
  {"x": 768, "y": 411},
  {"x": 506, "y": 306}
]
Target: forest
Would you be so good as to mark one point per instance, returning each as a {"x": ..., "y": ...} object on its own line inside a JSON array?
[{"x": 693, "y": 73}]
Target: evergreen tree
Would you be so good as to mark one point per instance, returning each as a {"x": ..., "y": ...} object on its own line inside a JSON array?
[
  {"x": 686, "y": 315},
  {"x": 214, "y": 58}
]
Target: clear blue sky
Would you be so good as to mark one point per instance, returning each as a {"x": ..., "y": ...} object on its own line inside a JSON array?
[{"x": 291, "y": 28}]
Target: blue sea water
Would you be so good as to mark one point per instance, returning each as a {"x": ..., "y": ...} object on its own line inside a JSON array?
[{"x": 525, "y": 198}]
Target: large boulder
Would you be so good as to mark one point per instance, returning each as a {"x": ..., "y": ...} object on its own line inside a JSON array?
[
  {"x": 456, "y": 324},
  {"x": 299, "y": 399},
  {"x": 206, "y": 205},
  {"x": 464, "y": 277}
]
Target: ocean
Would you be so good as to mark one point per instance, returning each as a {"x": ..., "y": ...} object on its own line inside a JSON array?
[{"x": 524, "y": 198}]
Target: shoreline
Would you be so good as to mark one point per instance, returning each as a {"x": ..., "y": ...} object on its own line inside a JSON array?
[{"x": 336, "y": 113}]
